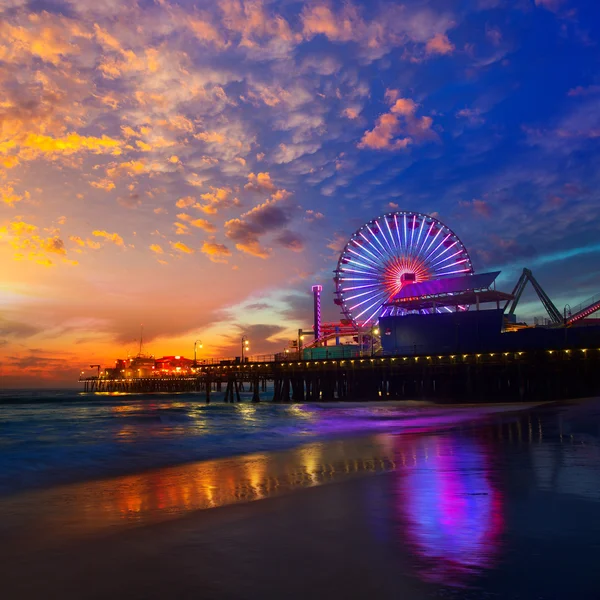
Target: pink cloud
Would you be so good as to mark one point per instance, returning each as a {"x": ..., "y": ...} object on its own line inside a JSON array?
[
  {"x": 398, "y": 128},
  {"x": 439, "y": 44}
]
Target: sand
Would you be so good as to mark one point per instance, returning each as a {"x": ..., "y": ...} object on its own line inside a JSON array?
[{"x": 507, "y": 508}]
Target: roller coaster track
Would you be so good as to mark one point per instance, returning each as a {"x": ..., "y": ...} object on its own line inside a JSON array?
[
  {"x": 526, "y": 277},
  {"x": 585, "y": 309}
]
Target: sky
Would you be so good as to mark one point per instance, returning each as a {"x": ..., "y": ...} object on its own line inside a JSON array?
[{"x": 196, "y": 167}]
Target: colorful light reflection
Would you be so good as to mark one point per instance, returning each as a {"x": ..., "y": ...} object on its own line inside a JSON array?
[{"x": 451, "y": 513}]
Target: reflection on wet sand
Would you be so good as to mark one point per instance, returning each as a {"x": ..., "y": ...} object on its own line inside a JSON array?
[
  {"x": 444, "y": 496},
  {"x": 448, "y": 509},
  {"x": 162, "y": 494}
]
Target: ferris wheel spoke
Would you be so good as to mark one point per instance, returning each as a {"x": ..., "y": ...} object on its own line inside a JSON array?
[
  {"x": 387, "y": 224},
  {"x": 432, "y": 241},
  {"x": 447, "y": 249},
  {"x": 443, "y": 260},
  {"x": 379, "y": 295},
  {"x": 377, "y": 240},
  {"x": 363, "y": 257},
  {"x": 377, "y": 302},
  {"x": 357, "y": 272},
  {"x": 398, "y": 232},
  {"x": 412, "y": 232},
  {"x": 441, "y": 271},
  {"x": 468, "y": 270},
  {"x": 358, "y": 295},
  {"x": 360, "y": 287},
  {"x": 430, "y": 256},
  {"x": 380, "y": 252},
  {"x": 372, "y": 246},
  {"x": 417, "y": 249},
  {"x": 361, "y": 265}
]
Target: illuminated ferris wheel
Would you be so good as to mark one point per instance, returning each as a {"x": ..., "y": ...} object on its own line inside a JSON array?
[{"x": 390, "y": 252}]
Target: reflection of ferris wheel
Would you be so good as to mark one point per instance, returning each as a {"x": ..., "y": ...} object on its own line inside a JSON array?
[{"x": 392, "y": 251}]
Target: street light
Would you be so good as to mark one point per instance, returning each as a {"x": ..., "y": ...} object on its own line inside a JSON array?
[
  {"x": 197, "y": 343},
  {"x": 245, "y": 345},
  {"x": 374, "y": 332}
]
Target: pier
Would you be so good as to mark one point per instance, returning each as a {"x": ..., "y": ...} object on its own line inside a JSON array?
[{"x": 503, "y": 376}]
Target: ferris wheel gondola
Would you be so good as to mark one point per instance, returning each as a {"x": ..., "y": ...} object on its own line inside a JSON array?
[{"x": 389, "y": 252}]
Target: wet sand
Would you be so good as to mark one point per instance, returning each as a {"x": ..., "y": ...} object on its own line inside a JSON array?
[{"x": 505, "y": 508}]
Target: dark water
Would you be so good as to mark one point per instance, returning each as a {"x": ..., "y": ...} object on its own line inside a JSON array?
[{"x": 51, "y": 437}]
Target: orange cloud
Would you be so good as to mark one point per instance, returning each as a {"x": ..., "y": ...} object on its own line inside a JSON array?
[
  {"x": 131, "y": 168},
  {"x": 259, "y": 182},
  {"x": 211, "y": 137},
  {"x": 206, "y": 32},
  {"x": 157, "y": 249},
  {"x": 181, "y": 247},
  {"x": 115, "y": 238},
  {"x": 103, "y": 184},
  {"x": 185, "y": 202},
  {"x": 399, "y": 127},
  {"x": 321, "y": 20},
  {"x": 217, "y": 199},
  {"x": 350, "y": 113},
  {"x": 45, "y": 38},
  {"x": 9, "y": 196},
  {"x": 381, "y": 137},
  {"x": 217, "y": 253},
  {"x": 25, "y": 240},
  {"x": 439, "y": 44},
  {"x": 199, "y": 223},
  {"x": 68, "y": 144}
]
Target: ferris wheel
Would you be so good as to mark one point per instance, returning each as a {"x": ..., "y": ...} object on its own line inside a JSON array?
[{"x": 390, "y": 252}]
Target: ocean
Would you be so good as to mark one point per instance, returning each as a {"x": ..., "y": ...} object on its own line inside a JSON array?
[{"x": 51, "y": 437}]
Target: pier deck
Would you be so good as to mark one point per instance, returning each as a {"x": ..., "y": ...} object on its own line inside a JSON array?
[{"x": 538, "y": 375}]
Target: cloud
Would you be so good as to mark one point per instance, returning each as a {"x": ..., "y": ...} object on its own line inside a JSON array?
[
  {"x": 217, "y": 253},
  {"x": 199, "y": 223},
  {"x": 270, "y": 216},
  {"x": 217, "y": 199},
  {"x": 473, "y": 115},
  {"x": 34, "y": 145},
  {"x": 260, "y": 182},
  {"x": 398, "y": 128},
  {"x": 312, "y": 215},
  {"x": 351, "y": 113},
  {"x": 551, "y": 5},
  {"x": 28, "y": 243},
  {"x": 291, "y": 241},
  {"x": 103, "y": 184},
  {"x": 589, "y": 90},
  {"x": 181, "y": 247},
  {"x": 439, "y": 44},
  {"x": 115, "y": 238},
  {"x": 156, "y": 248},
  {"x": 479, "y": 207},
  {"x": 185, "y": 202},
  {"x": 9, "y": 196}
]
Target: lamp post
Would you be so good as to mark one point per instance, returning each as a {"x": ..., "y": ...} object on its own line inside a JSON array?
[
  {"x": 300, "y": 339},
  {"x": 245, "y": 345},
  {"x": 374, "y": 332},
  {"x": 197, "y": 344}
]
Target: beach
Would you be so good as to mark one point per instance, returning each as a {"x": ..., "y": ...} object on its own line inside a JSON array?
[{"x": 501, "y": 505}]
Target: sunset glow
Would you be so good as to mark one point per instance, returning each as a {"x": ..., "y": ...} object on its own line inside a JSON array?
[{"x": 196, "y": 167}]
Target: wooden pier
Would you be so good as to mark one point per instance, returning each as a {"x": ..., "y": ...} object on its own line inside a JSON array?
[{"x": 539, "y": 375}]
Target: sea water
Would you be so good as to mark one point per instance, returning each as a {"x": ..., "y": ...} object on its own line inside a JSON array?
[{"x": 57, "y": 436}]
